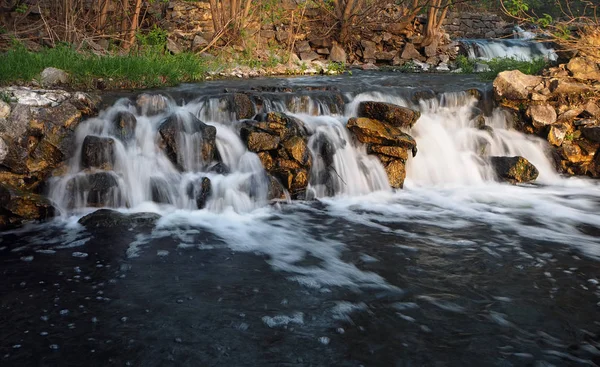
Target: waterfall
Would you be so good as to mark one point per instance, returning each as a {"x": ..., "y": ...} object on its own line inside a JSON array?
[
  {"x": 152, "y": 154},
  {"x": 520, "y": 49}
]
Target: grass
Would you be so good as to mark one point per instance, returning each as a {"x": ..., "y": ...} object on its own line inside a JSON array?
[
  {"x": 143, "y": 70},
  {"x": 499, "y": 65}
]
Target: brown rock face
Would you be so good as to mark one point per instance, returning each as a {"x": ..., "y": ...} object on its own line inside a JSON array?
[
  {"x": 396, "y": 172},
  {"x": 258, "y": 141},
  {"x": 397, "y": 116},
  {"x": 337, "y": 54},
  {"x": 591, "y": 133},
  {"x": 556, "y": 134},
  {"x": 297, "y": 149},
  {"x": 124, "y": 125},
  {"x": 542, "y": 115},
  {"x": 395, "y": 152},
  {"x": 514, "y": 85},
  {"x": 18, "y": 207},
  {"x": 376, "y": 132},
  {"x": 199, "y": 191},
  {"x": 243, "y": 106},
  {"x": 514, "y": 169},
  {"x": 95, "y": 190},
  {"x": 410, "y": 52},
  {"x": 584, "y": 69}
]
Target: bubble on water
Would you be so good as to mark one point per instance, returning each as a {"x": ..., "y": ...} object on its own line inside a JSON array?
[
  {"x": 324, "y": 340},
  {"x": 27, "y": 258},
  {"x": 46, "y": 252},
  {"x": 243, "y": 326},
  {"x": 340, "y": 330},
  {"x": 124, "y": 319},
  {"x": 162, "y": 253},
  {"x": 283, "y": 320},
  {"x": 44, "y": 333},
  {"x": 593, "y": 281},
  {"x": 17, "y": 346},
  {"x": 94, "y": 320},
  {"x": 79, "y": 254},
  {"x": 343, "y": 309},
  {"x": 44, "y": 318},
  {"x": 64, "y": 312},
  {"x": 178, "y": 340},
  {"x": 54, "y": 346}
]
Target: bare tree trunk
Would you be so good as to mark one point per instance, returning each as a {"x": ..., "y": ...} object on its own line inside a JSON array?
[{"x": 134, "y": 24}]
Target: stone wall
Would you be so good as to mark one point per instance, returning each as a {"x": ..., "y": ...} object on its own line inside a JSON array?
[{"x": 476, "y": 25}]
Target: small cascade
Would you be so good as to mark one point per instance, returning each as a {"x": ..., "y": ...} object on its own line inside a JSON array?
[
  {"x": 237, "y": 151},
  {"x": 520, "y": 49},
  {"x": 520, "y": 33}
]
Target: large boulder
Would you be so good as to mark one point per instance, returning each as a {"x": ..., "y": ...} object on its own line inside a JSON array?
[
  {"x": 337, "y": 53},
  {"x": 514, "y": 85},
  {"x": 173, "y": 129},
  {"x": 514, "y": 169},
  {"x": 394, "y": 115},
  {"x": 243, "y": 106},
  {"x": 257, "y": 140},
  {"x": 98, "y": 152},
  {"x": 18, "y": 207},
  {"x": 376, "y": 132}
]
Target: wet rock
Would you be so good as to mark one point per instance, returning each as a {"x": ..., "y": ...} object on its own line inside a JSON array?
[
  {"x": 220, "y": 168},
  {"x": 514, "y": 169},
  {"x": 173, "y": 129},
  {"x": 396, "y": 152},
  {"x": 572, "y": 152},
  {"x": 514, "y": 85},
  {"x": 160, "y": 189},
  {"x": 397, "y": 116},
  {"x": 200, "y": 191},
  {"x": 375, "y": 132},
  {"x": 277, "y": 123},
  {"x": 107, "y": 218},
  {"x": 259, "y": 141},
  {"x": 298, "y": 150},
  {"x": 276, "y": 189},
  {"x": 337, "y": 53},
  {"x": 18, "y": 207},
  {"x": 98, "y": 152},
  {"x": 396, "y": 173},
  {"x": 124, "y": 124},
  {"x": 267, "y": 160},
  {"x": 152, "y": 104},
  {"x": 243, "y": 106},
  {"x": 421, "y": 95},
  {"x": 542, "y": 115},
  {"x": 94, "y": 190},
  {"x": 324, "y": 148},
  {"x": 591, "y": 133},
  {"x": 53, "y": 76},
  {"x": 584, "y": 69}
]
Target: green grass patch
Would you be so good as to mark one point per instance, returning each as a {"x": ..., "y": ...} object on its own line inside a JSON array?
[
  {"x": 146, "y": 69},
  {"x": 497, "y": 66}
]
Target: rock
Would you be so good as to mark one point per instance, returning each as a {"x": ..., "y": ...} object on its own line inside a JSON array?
[
  {"x": 198, "y": 43},
  {"x": 220, "y": 168},
  {"x": 592, "y": 109},
  {"x": 396, "y": 173},
  {"x": 173, "y": 47},
  {"x": 177, "y": 125},
  {"x": 337, "y": 54},
  {"x": 3, "y": 150},
  {"x": 397, "y": 116},
  {"x": 514, "y": 85},
  {"x": 243, "y": 106},
  {"x": 557, "y": 134},
  {"x": 107, "y": 218},
  {"x": 560, "y": 86},
  {"x": 323, "y": 51},
  {"x": 591, "y": 133},
  {"x": 161, "y": 190},
  {"x": 481, "y": 68},
  {"x": 199, "y": 191},
  {"x": 18, "y": 207},
  {"x": 542, "y": 115},
  {"x": 321, "y": 42},
  {"x": 4, "y": 110},
  {"x": 298, "y": 150},
  {"x": 259, "y": 141},
  {"x": 375, "y": 132},
  {"x": 124, "y": 124},
  {"x": 53, "y": 76},
  {"x": 278, "y": 123},
  {"x": 442, "y": 67},
  {"x": 385, "y": 55},
  {"x": 302, "y": 46},
  {"x": 431, "y": 50},
  {"x": 309, "y": 56},
  {"x": 152, "y": 104},
  {"x": 390, "y": 151},
  {"x": 410, "y": 52},
  {"x": 572, "y": 153},
  {"x": 514, "y": 169},
  {"x": 97, "y": 189},
  {"x": 98, "y": 152},
  {"x": 276, "y": 190},
  {"x": 584, "y": 69}
]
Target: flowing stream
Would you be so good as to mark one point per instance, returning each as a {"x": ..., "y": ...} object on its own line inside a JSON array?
[{"x": 455, "y": 269}]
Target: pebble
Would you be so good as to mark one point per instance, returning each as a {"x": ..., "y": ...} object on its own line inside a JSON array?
[{"x": 324, "y": 340}]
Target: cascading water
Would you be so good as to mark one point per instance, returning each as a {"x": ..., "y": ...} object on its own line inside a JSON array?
[
  {"x": 520, "y": 49},
  {"x": 452, "y": 150}
]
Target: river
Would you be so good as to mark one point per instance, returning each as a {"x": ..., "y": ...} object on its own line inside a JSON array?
[{"x": 455, "y": 269}]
